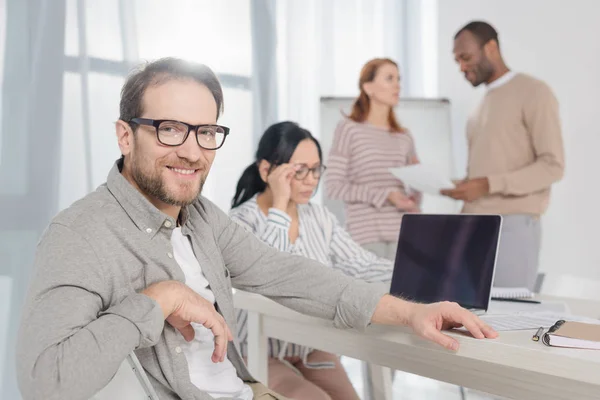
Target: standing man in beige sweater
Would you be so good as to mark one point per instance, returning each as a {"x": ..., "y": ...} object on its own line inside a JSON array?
[{"x": 515, "y": 152}]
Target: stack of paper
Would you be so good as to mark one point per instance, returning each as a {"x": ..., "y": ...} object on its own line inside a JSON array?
[{"x": 511, "y": 293}]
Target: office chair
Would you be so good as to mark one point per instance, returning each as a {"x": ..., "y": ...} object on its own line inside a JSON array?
[{"x": 129, "y": 383}]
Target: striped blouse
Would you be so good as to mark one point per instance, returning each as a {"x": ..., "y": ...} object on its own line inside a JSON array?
[
  {"x": 320, "y": 238},
  {"x": 357, "y": 173}
]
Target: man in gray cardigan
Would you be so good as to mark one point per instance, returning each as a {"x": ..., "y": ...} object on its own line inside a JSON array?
[{"x": 146, "y": 248}]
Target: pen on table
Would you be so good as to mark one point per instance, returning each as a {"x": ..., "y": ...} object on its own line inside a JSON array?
[
  {"x": 517, "y": 300},
  {"x": 538, "y": 334}
]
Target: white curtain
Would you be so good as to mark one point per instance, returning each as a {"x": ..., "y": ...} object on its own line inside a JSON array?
[
  {"x": 29, "y": 163},
  {"x": 100, "y": 52},
  {"x": 323, "y": 45},
  {"x": 62, "y": 65}
]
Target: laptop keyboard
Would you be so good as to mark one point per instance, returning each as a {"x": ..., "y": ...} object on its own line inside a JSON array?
[{"x": 517, "y": 322}]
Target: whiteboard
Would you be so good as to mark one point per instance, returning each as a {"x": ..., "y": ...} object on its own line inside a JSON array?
[{"x": 429, "y": 122}]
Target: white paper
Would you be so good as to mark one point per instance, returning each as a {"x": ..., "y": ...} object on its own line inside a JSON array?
[{"x": 423, "y": 178}]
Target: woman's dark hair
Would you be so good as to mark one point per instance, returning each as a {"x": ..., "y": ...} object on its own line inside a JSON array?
[{"x": 276, "y": 146}]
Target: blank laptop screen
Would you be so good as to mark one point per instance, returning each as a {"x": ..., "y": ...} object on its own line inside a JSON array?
[{"x": 446, "y": 257}]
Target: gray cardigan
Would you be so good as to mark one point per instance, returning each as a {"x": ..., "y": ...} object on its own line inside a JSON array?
[{"x": 84, "y": 312}]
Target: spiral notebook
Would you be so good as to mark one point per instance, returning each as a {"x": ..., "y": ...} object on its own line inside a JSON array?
[
  {"x": 511, "y": 293},
  {"x": 573, "y": 334}
]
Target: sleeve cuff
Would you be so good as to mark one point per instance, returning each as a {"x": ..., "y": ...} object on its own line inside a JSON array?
[
  {"x": 279, "y": 217},
  {"x": 381, "y": 197},
  {"x": 357, "y": 304},
  {"x": 143, "y": 313},
  {"x": 497, "y": 183}
]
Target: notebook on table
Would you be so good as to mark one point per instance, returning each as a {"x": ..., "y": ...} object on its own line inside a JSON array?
[{"x": 573, "y": 334}]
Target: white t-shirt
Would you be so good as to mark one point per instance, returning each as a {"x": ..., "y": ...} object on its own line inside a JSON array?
[
  {"x": 217, "y": 379},
  {"x": 502, "y": 80}
]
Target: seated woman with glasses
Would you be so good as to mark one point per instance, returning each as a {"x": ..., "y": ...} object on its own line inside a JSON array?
[{"x": 272, "y": 201}]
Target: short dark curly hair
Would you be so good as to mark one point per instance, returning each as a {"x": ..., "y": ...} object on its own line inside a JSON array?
[{"x": 483, "y": 31}]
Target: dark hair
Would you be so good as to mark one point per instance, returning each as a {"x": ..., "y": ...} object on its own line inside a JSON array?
[
  {"x": 276, "y": 146},
  {"x": 362, "y": 104},
  {"x": 483, "y": 31},
  {"x": 161, "y": 71}
]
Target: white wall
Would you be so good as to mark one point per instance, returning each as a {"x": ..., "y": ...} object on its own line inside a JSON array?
[{"x": 557, "y": 41}]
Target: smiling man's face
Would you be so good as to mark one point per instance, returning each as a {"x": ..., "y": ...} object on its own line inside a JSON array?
[
  {"x": 472, "y": 58},
  {"x": 170, "y": 175}
]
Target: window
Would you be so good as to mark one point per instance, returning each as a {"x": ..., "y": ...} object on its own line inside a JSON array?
[
  {"x": 2, "y": 52},
  {"x": 102, "y": 40},
  {"x": 238, "y": 151},
  {"x": 215, "y": 33},
  {"x": 105, "y": 39}
]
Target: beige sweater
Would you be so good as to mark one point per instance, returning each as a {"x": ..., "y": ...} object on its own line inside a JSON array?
[{"x": 515, "y": 140}]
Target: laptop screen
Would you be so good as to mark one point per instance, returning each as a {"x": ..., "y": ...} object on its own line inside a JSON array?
[{"x": 446, "y": 257}]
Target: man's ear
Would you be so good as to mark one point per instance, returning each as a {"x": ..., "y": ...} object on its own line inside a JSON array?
[
  {"x": 124, "y": 136},
  {"x": 263, "y": 169},
  {"x": 491, "y": 49}
]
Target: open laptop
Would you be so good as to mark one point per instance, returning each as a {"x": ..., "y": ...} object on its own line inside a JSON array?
[{"x": 447, "y": 257}]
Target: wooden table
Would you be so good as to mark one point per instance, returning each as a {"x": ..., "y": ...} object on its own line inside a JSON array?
[{"x": 512, "y": 365}]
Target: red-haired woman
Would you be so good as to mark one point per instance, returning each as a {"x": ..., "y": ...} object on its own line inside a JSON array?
[{"x": 366, "y": 144}]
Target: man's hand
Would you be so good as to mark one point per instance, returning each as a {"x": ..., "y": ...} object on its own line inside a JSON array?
[
  {"x": 181, "y": 306},
  {"x": 427, "y": 320},
  {"x": 469, "y": 190}
]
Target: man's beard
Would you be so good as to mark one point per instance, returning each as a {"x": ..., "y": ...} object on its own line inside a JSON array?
[
  {"x": 153, "y": 185},
  {"x": 483, "y": 72}
]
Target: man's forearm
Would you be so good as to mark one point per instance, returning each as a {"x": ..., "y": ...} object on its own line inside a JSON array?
[
  {"x": 56, "y": 362},
  {"x": 534, "y": 177},
  {"x": 164, "y": 295},
  {"x": 392, "y": 311}
]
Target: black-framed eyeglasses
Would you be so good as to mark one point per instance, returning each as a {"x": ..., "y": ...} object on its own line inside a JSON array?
[
  {"x": 303, "y": 170},
  {"x": 175, "y": 133}
]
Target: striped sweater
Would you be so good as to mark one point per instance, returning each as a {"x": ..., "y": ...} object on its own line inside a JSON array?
[
  {"x": 357, "y": 173},
  {"x": 320, "y": 238}
]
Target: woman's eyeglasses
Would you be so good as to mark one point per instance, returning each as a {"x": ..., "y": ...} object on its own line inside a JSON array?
[{"x": 303, "y": 170}]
